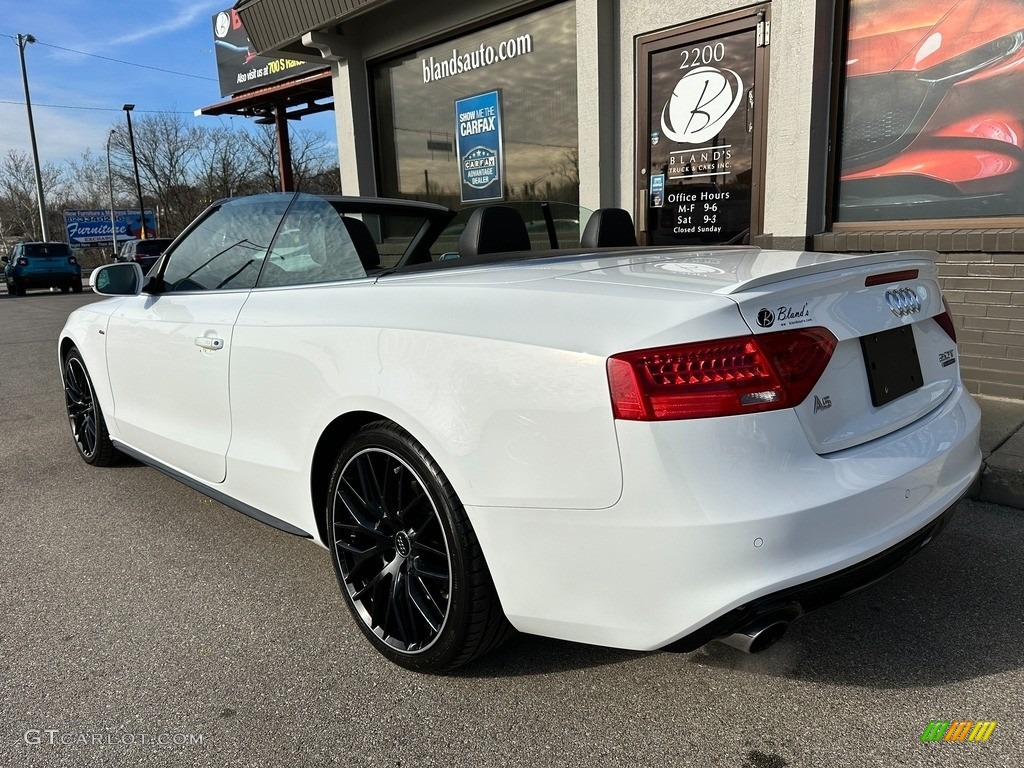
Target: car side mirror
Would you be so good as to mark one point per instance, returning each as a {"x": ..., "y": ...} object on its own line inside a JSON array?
[
  {"x": 121, "y": 279},
  {"x": 5, "y": 259}
]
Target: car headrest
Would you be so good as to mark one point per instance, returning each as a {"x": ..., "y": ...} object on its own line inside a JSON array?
[
  {"x": 363, "y": 241},
  {"x": 609, "y": 228},
  {"x": 494, "y": 229}
]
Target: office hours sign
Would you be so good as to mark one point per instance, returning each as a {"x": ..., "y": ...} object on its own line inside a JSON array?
[{"x": 696, "y": 152}]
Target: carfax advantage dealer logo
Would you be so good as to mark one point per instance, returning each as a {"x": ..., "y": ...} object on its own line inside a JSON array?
[{"x": 958, "y": 730}]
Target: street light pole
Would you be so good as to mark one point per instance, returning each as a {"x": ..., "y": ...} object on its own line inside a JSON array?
[
  {"x": 110, "y": 188},
  {"x": 135, "y": 162},
  {"x": 23, "y": 40}
]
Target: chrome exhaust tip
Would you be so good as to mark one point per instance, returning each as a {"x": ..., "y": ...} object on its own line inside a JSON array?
[{"x": 757, "y": 636}]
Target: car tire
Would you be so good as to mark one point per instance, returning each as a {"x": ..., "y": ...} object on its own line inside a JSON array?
[
  {"x": 77, "y": 286},
  {"x": 88, "y": 429},
  {"x": 65, "y": 288},
  {"x": 14, "y": 289},
  {"x": 407, "y": 559}
]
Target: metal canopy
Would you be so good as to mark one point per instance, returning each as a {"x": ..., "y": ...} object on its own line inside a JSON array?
[
  {"x": 277, "y": 104},
  {"x": 278, "y": 25},
  {"x": 297, "y": 98}
]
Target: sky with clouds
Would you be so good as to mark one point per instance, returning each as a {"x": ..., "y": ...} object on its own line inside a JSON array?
[{"x": 77, "y": 98}]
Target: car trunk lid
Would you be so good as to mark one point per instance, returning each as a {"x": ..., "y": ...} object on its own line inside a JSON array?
[{"x": 894, "y": 361}]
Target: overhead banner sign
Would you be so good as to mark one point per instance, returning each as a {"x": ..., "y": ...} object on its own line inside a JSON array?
[
  {"x": 478, "y": 143},
  {"x": 92, "y": 227},
  {"x": 238, "y": 66}
]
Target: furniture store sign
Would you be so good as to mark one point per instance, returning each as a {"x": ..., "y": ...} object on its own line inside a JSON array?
[
  {"x": 92, "y": 227},
  {"x": 478, "y": 139}
]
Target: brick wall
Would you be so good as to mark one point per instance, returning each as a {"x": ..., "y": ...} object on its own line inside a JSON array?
[
  {"x": 986, "y": 293},
  {"x": 982, "y": 276}
]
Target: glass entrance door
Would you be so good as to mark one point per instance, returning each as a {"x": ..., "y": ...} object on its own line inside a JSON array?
[{"x": 700, "y": 146}]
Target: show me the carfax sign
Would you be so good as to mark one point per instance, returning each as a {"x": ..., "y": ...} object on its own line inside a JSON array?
[{"x": 478, "y": 142}]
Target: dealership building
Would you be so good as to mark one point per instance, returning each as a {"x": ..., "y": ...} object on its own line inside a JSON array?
[{"x": 854, "y": 127}]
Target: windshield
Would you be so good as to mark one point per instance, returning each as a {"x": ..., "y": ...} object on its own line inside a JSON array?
[{"x": 47, "y": 249}]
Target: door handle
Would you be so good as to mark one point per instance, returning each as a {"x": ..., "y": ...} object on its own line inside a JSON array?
[{"x": 209, "y": 342}]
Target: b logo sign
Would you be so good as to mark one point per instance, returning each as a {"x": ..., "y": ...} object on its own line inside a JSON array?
[{"x": 701, "y": 104}]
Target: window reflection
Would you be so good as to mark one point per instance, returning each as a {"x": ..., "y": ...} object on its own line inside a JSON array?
[
  {"x": 415, "y": 102},
  {"x": 226, "y": 249}
]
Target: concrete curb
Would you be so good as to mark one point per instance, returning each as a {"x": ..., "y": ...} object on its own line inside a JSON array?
[{"x": 1002, "y": 449}]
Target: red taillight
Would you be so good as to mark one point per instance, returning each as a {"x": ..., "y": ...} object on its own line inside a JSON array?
[
  {"x": 945, "y": 320},
  {"x": 724, "y": 377},
  {"x": 72, "y": 260},
  {"x": 22, "y": 262}
]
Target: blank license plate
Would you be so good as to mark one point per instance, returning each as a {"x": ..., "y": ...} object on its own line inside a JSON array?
[{"x": 893, "y": 368}]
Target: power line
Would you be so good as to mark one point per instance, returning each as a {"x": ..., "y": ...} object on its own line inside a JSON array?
[
  {"x": 121, "y": 61},
  {"x": 100, "y": 109}
]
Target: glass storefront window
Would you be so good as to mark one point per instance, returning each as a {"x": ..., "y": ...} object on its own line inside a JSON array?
[
  {"x": 932, "y": 124},
  {"x": 487, "y": 116}
]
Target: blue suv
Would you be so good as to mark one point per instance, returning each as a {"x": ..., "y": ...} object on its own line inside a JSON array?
[{"x": 41, "y": 265}]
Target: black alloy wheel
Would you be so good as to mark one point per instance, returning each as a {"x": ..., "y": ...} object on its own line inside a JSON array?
[
  {"x": 407, "y": 559},
  {"x": 87, "y": 425}
]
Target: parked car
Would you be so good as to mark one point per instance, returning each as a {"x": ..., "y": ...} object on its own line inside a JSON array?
[
  {"x": 631, "y": 447},
  {"x": 41, "y": 265},
  {"x": 144, "y": 252}
]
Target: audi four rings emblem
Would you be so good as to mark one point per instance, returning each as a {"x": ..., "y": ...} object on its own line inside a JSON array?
[{"x": 903, "y": 301}]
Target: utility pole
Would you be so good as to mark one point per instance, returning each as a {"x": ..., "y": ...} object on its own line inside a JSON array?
[
  {"x": 135, "y": 162},
  {"x": 110, "y": 188},
  {"x": 24, "y": 40}
]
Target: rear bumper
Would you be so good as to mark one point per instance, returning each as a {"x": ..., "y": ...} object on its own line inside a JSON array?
[
  {"x": 804, "y": 598},
  {"x": 724, "y": 519},
  {"x": 47, "y": 279}
]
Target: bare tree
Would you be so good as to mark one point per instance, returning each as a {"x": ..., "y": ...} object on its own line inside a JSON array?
[
  {"x": 90, "y": 187},
  {"x": 227, "y": 165},
  {"x": 568, "y": 166},
  {"x": 262, "y": 142},
  {"x": 19, "y": 210},
  {"x": 313, "y": 158},
  {"x": 312, "y": 155},
  {"x": 183, "y": 166},
  {"x": 17, "y": 198},
  {"x": 327, "y": 181},
  {"x": 168, "y": 150}
]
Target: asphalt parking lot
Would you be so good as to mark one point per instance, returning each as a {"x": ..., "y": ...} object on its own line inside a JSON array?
[{"x": 141, "y": 623}]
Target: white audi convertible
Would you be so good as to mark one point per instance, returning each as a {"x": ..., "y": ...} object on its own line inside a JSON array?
[{"x": 631, "y": 447}]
